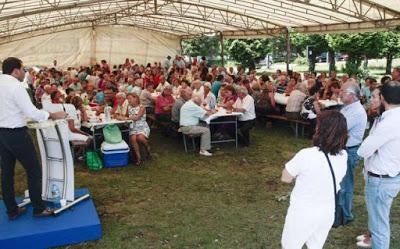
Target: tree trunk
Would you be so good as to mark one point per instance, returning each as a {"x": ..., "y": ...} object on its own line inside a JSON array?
[
  {"x": 311, "y": 64},
  {"x": 389, "y": 60},
  {"x": 365, "y": 63},
  {"x": 332, "y": 62}
]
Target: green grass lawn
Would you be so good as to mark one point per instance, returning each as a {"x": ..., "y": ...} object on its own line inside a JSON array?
[{"x": 231, "y": 200}]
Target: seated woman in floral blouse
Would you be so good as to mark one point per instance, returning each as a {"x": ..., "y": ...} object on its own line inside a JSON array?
[{"x": 139, "y": 130}]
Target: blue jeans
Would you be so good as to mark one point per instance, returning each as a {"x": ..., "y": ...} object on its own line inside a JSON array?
[
  {"x": 347, "y": 184},
  {"x": 379, "y": 195}
]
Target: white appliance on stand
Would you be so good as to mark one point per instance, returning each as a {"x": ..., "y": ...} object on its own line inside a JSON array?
[{"x": 57, "y": 164}]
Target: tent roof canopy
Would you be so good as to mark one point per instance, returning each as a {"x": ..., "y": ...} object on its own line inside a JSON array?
[{"x": 189, "y": 18}]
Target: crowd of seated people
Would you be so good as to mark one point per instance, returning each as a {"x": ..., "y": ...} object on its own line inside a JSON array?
[{"x": 156, "y": 93}]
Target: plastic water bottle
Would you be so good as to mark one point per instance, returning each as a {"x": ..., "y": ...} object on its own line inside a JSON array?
[
  {"x": 55, "y": 194},
  {"x": 107, "y": 113}
]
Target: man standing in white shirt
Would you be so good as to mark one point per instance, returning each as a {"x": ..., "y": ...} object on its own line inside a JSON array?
[
  {"x": 15, "y": 141},
  {"x": 245, "y": 105},
  {"x": 167, "y": 63},
  {"x": 381, "y": 153}
]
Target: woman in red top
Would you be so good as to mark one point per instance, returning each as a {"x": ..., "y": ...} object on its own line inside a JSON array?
[
  {"x": 229, "y": 97},
  {"x": 164, "y": 103}
]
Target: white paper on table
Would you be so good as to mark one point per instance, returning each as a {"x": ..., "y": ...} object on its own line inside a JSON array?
[
  {"x": 220, "y": 113},
  {"x": 281, "y": 98}
]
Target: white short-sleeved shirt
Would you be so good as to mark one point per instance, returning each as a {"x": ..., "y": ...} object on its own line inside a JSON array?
[
  {"x": 246, "y": 103},
  {"x": 314, "y": 184}
]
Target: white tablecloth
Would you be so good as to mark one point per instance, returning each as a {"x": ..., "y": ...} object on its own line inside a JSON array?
[{"x": 221, "y": 113}]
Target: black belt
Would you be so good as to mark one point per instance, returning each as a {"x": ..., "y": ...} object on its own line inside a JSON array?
[
  {"x": 352, "y": 147},
  {"x": 379, "y": 176},
  {"x": 13, "y": 129}
]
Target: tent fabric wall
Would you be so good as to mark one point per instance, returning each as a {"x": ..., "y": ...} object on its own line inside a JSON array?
[
  {"x": 144, "y": 46},
  {"x": 81, "y": 46}
]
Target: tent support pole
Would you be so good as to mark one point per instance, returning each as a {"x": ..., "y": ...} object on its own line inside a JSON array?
[
  {"x": 93, "y": 45},
  {"x": 221, "y": 39},
  {"x": 181, "y": 46},
  {"x": 288, "y": 52}
]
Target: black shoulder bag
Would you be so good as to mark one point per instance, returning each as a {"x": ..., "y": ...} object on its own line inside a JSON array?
[{"x": 338, "y": 209}]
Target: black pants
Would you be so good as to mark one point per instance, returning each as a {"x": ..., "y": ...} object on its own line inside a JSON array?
[
  {"x": 16, "y": 144},
  {"x": 244, "y": 128}
]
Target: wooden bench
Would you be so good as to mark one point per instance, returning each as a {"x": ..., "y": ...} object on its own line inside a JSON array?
[{"x": 295, "y": 122}]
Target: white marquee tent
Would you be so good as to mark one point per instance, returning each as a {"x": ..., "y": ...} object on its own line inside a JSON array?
[{"x": 79, "y": 32}]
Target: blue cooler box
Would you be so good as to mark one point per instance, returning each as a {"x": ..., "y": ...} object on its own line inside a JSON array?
[{"x": 115, "y": 155}]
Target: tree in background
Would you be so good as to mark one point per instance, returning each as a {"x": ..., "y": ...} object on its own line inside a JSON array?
[
  {"x": 316, "y": 42},
  {"x": 358, "y": 47},
  {"x": 241, "y": 52},
  {"x": 248, "y": 51},
  {"x": 391, "y": 47},
  {"x": 202, "y": 46}
]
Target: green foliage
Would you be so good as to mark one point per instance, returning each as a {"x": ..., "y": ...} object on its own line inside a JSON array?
[
  {"x": 241, "y": 52},
  {"x": 351, "y": 69},
  {"x": 277, "y": 45},
  {"x": 301, "y": 61},
  {"x": 260, "y": 47},
  {"x": 391, "y": 41},
  {"x": 299, "y": 43},
  {"x": 356, "y": 46},
  {"x": 318, "y": 43},
  {"x": 202, "y": 46}
]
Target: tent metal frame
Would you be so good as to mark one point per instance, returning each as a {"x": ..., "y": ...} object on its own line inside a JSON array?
[{"x": 191, "y": 18}]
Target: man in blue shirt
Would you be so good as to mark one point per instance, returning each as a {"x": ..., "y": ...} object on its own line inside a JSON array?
[
  {"x": 190, "y": 115},
  {"x": 356, "y": 118}
]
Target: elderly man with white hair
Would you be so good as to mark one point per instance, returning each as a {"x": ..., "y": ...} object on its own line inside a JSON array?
[
  {"x": 190, "y": 115},
  {"x": 356, "y": 118},
  {"x": 198, "y": 89},
  {"x": 245, "y": 105}
]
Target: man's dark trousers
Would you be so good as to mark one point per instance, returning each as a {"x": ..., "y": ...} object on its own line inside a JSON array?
[{"x": 16, "y": 144}]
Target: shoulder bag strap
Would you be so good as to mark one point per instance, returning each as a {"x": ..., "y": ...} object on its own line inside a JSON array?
[{"x": 333, "y": 177}]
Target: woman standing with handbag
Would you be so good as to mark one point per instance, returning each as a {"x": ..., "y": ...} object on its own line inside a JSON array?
[{"x": 317, "y": 172}]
